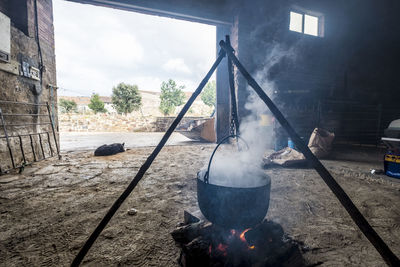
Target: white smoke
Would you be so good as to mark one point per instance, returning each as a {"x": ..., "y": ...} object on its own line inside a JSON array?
[
  {"x": 254, "y": 104},
  {"x": 234, "y": 168},
  {"x": 250, "y": 128}
]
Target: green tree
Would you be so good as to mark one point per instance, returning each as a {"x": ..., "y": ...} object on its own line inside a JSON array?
[
  {"x": 171, "y": 96},
  {"x": 209, "y": 94},
  {"x": 96, "y": 104},
  {"x": 126, "y": 98},
  {"x": 67, "y": 106}
]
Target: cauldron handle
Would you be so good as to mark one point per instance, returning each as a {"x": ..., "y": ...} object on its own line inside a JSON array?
[{"x": 206, "y": 175}]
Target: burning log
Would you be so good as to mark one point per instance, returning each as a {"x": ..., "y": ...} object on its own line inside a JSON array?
[
  {"x": 195, "y": 253},
  {"x": 187, "y": 233},
  {"x": 192, "y": 218}
]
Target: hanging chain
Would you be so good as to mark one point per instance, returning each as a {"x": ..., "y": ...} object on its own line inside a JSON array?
[{"x": 232, "y": 125}]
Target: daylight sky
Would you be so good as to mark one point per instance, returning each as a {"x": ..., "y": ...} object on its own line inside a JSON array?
[{"x": 97, "y": 47}]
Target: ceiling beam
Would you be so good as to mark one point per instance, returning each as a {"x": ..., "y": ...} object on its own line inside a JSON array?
[{"x": 190, "y": 10}]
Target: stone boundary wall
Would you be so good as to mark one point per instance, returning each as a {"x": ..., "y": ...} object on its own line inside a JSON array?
[{"x": 116, "y": 123}]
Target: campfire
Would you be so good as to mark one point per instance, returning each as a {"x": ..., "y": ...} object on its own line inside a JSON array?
[
  {"x": 229, "y": 229},
  {"x": 203, "y": 243}
]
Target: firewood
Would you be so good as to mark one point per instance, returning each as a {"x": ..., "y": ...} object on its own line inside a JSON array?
[
  {"x": 196, "y": 252},
  {"x": 199, "y": 244},
  {"x": 189, "y": 218},
  {"x": 185, "y": 234}
]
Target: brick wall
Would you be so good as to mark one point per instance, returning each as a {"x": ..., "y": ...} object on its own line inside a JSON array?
[{"x": 16, "y": 87}]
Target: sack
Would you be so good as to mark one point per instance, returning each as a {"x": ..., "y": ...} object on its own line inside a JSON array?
[
  {"x": 286, "y": 157},
  {"x": 107, "y": 150},
  {"x": 320, "y": 142}
]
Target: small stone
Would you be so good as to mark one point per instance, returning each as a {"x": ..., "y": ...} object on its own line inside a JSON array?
[
  {"x": 202, "y": 148},
  {"x": 132, "y": 212}
]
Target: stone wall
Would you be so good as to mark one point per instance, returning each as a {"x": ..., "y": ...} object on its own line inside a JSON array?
[
  {"x": 162, "y": 123},
  {"x": 116, "y": 123},
  {"x": 32, "y": 46}
]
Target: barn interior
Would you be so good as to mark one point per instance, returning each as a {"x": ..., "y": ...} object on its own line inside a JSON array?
[{"x": 330, "y": 65}]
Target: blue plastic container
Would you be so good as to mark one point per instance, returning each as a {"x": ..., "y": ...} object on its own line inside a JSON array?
[
  {"x": 392, "y": 165},
  {"x": 290, "y": 143}
]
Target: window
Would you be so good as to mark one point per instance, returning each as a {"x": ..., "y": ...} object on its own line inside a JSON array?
[
  {"x": 307, "y": 24},
  {"x": 311, "y": 25},
  {"x": 17, "y": 11},
  {"x": 296, "y": 22}
]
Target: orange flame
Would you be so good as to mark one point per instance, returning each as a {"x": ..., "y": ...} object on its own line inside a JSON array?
[
  {"x": 223, "y": 248},
  {"x": 243, "y": 238}
]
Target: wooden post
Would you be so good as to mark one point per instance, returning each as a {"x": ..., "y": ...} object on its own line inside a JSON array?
[
  {"x": 8, "y": 141},
  {"x": 234, "y": 112},
  {"x": 41, "y": 145},
  {"x": 33, "y": 148},
  {"x": 22, "y": 148},
  {"x": 48, "y": 140},
  {"x": 223, "y": 103},
  {"x": 53, "y": 130}
]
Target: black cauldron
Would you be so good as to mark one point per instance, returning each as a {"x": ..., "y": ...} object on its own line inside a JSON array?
[{"x": 232, "y": 207}]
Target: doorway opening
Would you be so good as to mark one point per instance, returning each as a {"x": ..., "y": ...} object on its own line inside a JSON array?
[{"x": 105, "y": 56}]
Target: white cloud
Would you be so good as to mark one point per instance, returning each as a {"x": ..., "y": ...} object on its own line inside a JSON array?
[
  {"x": 97, "y": 47},
  {"x": 119, "y": 49},
  {"x": 145, "y": 83},
  {"x": 176, "y": 65}
]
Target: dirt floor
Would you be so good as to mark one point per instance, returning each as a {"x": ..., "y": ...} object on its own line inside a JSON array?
[{"x": 48, "y": 211}]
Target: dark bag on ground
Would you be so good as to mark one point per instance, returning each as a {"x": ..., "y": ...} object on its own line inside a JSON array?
[{"x": 107, "y": 150}]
